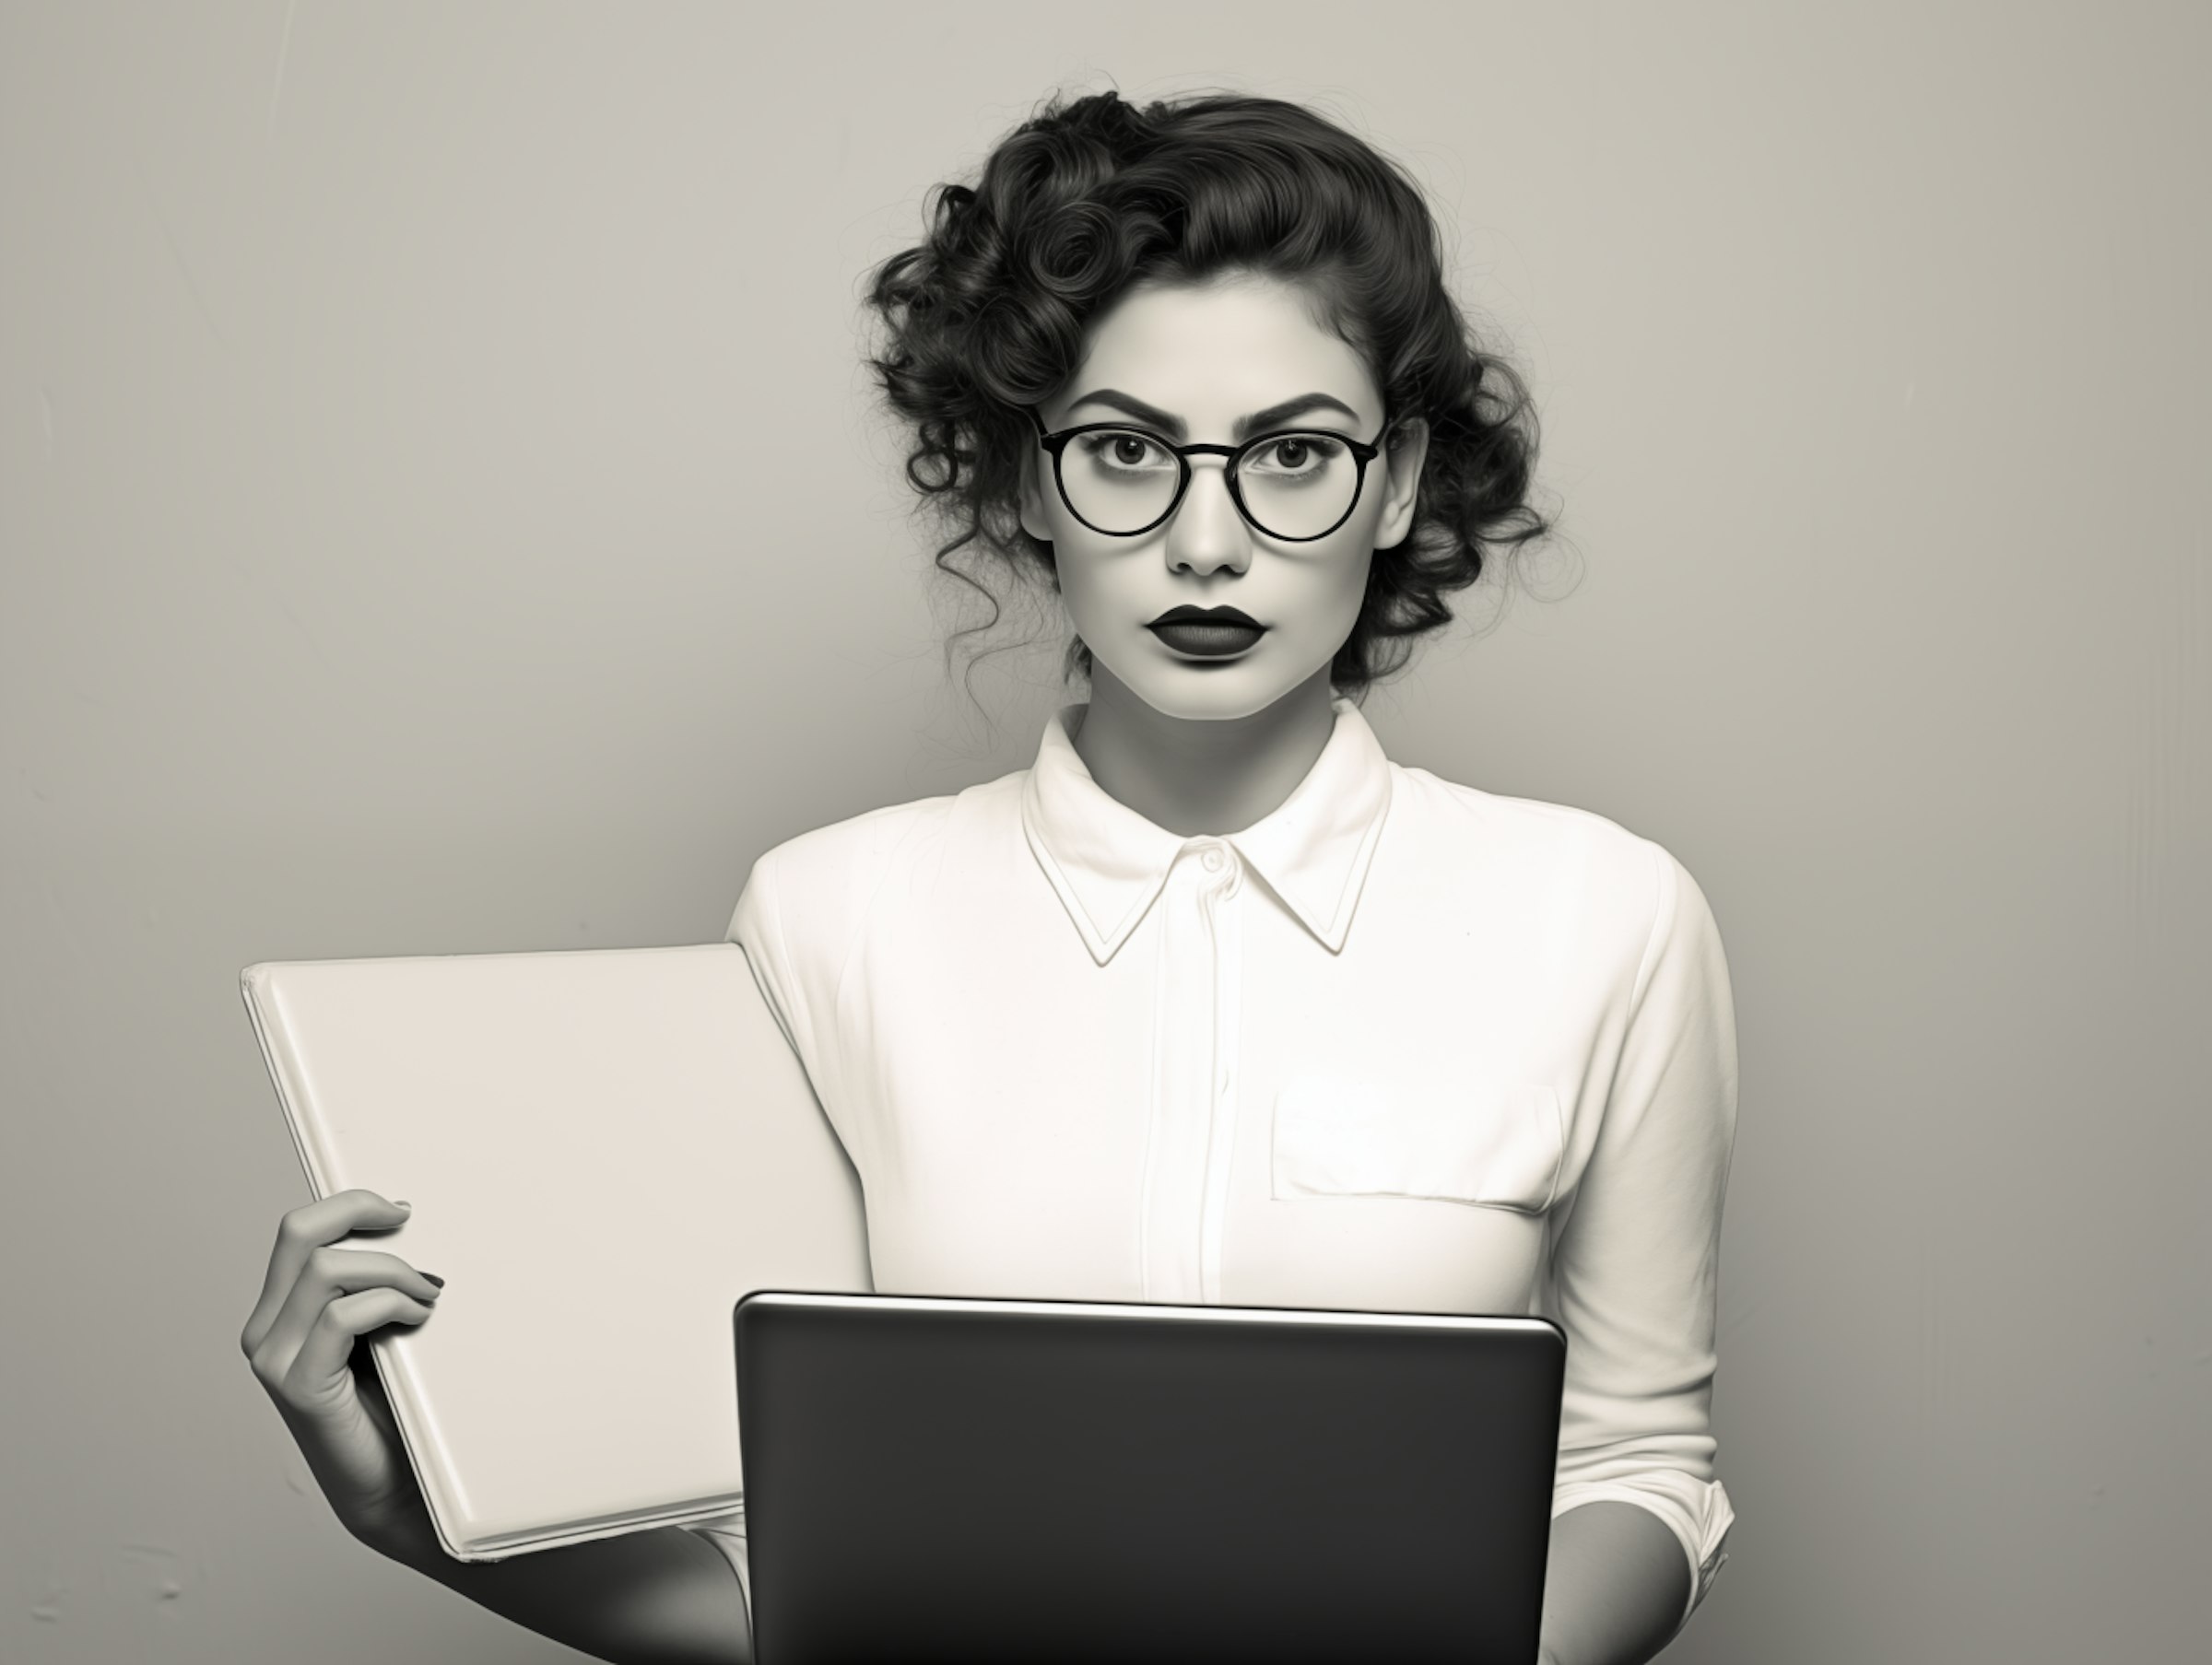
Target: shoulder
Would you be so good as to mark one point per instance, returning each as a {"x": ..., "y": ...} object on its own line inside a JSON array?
[
  {"x": 1523, "y": 832},
  {"x": 829, "y": 872},
  {"x": 837, "y": 854},
  {"x": 1632, "y": 886},
  {"x": 821, "y": 885}
]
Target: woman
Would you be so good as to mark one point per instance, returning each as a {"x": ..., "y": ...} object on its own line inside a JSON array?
[{"x": 1214, "y": 1003}]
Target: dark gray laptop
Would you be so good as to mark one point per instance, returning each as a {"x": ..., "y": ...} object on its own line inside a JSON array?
[{"x": 1067, "y": 1482}]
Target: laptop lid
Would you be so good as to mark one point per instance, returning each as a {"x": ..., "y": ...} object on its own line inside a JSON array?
[
  {"x": 634, "y": 1114},
  {"x": 941, "y": 1479}
]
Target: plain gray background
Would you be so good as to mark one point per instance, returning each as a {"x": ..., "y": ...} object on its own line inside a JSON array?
[{"x": 444, "y": 512}]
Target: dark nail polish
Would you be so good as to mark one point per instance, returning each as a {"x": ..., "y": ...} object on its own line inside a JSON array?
[{"x": 435, "y": 1279}]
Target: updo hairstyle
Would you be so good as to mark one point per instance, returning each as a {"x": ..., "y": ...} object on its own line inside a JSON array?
[{"x": 985, "y": 317}]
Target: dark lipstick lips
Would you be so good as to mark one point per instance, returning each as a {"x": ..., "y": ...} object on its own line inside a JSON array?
[
  {"x": 1202, "y": 633},
  {"x": 1188, "y": 614}
]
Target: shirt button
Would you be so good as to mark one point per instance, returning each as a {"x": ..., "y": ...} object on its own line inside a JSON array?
[
  {"x": 1211, "y": 860},
  {"x": 1225, "y": 1081}
]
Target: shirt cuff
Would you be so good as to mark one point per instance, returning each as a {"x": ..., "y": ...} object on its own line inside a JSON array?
[
  {"x": 726, "y": 1533},
  {"x": 1696, "y": 1511}
]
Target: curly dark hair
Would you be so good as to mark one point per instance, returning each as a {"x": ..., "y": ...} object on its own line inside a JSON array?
[{"x": 985, "y": 318}]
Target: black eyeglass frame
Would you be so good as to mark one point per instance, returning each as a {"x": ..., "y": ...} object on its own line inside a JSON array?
[{"x": 1363, "y": 452}]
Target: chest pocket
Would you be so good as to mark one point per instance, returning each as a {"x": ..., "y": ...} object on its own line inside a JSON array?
[{"x": 1494, "y": 1144}]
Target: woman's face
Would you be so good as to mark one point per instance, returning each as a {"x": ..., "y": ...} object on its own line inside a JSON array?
[{"x": 1217, "y": 363}]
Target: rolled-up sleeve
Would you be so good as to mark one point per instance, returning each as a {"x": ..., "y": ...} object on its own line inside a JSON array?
[
  {"x": 726, "y": 1533},
  {"x": 1634, "y": 1271},
  {"x": 756, "y": 926}
]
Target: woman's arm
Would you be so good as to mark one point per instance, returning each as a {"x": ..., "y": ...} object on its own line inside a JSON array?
[
  {"x": 1615, "y": 1586},
  {"x": 1634, "y": 1283},
  {"x": 657, "y": 1597}
]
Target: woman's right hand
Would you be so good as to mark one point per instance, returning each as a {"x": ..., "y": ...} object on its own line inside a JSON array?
[{"x": 314, "y": 1302}]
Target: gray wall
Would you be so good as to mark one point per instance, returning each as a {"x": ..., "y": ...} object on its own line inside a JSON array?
[{"x": 443, "y": 513}]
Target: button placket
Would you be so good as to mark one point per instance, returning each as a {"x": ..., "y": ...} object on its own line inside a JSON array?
[
  {"x": 1225, "y": 923},
  {"x": 1173, "y": 1205}
]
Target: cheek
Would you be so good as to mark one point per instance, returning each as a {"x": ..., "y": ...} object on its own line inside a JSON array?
[
  {"x": 1085, "y": 580},
  {"x": 1342, "y": 581}
]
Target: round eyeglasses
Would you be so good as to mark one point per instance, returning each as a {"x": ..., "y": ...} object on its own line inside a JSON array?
[{"x": 1294, "y": 485}]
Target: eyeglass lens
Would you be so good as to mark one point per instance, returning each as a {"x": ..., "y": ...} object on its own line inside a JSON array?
[{"x": 1294, "y": 485}]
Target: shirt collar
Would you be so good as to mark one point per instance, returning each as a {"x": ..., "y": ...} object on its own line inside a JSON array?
[{"x": 1108, "y": 863}]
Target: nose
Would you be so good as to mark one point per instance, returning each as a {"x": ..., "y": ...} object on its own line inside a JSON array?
[{"x": 1207, "y": 533}]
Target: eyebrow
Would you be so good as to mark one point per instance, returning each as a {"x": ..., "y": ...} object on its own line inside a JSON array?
[{"x": 1259, "y": 421}]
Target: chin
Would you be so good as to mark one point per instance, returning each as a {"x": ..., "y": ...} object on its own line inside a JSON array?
[{"x": 1221, "y": 692}]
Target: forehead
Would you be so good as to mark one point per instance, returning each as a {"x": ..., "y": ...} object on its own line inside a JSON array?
[{"x": 1210, "y": 352}]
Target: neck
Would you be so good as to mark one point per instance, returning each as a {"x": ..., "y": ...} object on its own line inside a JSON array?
[{"x": 1202, "y": 775}]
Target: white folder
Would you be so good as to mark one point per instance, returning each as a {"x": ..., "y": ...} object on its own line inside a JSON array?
[{"x": 605, "y": 1150}]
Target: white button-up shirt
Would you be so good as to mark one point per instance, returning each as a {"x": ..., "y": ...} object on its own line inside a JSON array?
[{"x": 1401, "y": 1045}]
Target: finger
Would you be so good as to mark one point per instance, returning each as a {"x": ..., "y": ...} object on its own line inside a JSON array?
[
  {"x": 299, "y": 1234},
  {"x": 318, "y": 1374},
  {"x": 328, "y": 1274},
  {"x": 369, "y": 1387}
]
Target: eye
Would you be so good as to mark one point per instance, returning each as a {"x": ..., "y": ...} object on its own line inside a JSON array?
[
  {"x": 1125, "y": 450},
  {"x": 1290, "y": 455}
]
